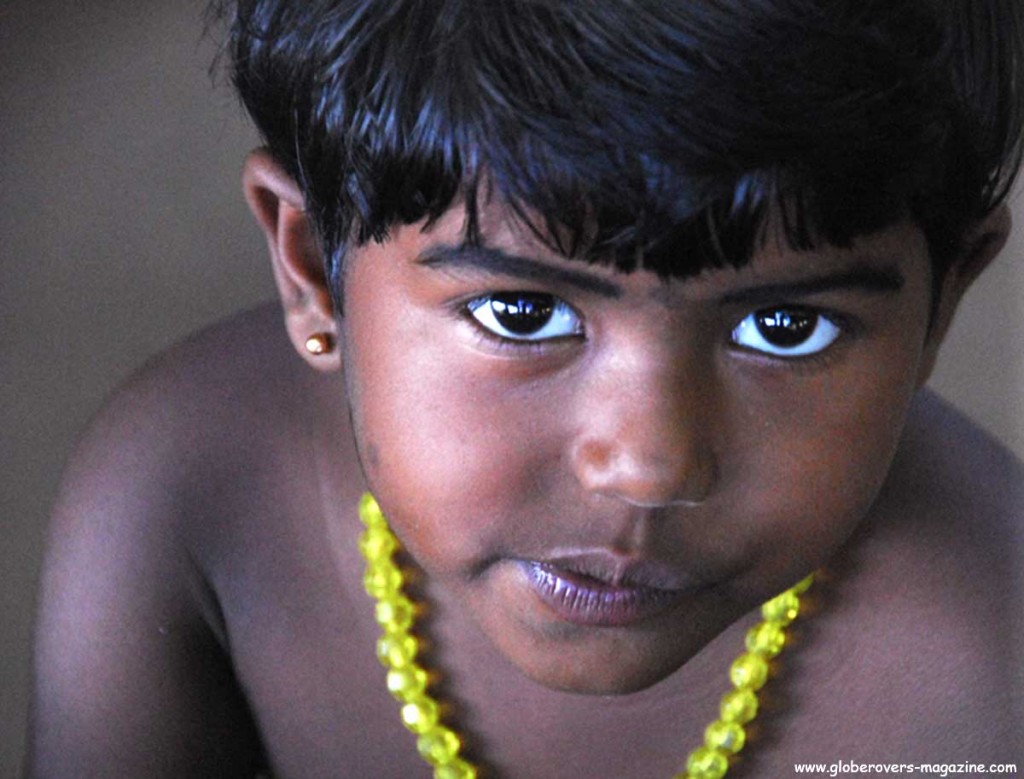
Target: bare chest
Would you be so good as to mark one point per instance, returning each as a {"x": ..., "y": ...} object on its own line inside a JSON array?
[{"x": 321, "y": 704}]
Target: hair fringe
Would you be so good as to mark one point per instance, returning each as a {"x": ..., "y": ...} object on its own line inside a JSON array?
[{"x": 658, "y": 135}]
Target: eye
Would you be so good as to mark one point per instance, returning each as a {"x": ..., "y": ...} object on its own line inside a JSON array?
[
  {"x": 525, "y": 316},
  {"x": 786, "y": 332}
]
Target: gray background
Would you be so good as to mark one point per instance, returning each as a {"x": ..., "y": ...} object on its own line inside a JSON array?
[{"x": 122, "y": 229}]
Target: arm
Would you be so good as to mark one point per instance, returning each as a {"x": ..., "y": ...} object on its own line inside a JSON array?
[{"x": 131, "y": 678}]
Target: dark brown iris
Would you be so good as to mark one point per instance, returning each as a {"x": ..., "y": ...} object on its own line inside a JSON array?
[
  {"x": 522, "y": 313},
  {"x": 786, "y": 327}
]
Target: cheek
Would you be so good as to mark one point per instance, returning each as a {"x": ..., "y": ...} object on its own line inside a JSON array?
[
  {"x": 451, "y": 455},
  {"x": 820, "y": 457}
]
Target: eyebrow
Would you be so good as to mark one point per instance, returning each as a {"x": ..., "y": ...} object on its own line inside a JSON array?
[
  {"x": 869, "y": 278},
  {"x": 875, "y": 280},
  {"x": 495, "y": 261}
]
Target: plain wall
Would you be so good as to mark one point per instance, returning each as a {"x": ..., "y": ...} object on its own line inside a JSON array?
[{"x": 122, "y": 228}]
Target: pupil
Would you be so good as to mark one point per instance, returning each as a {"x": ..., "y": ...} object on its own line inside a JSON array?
[
  {"x": 785, "y": 326},
  {"x": 522, "y": 314}
]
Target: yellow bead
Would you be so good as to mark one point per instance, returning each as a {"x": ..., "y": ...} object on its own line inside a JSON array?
[
  {"x": 766, "y": 639},
  {"x": 726, "y": 736},
  {"x": 369, "y": 511},
  {"x": 803, "y": 585},
  {"x": 455, "y": 769},
  {"x": 707, "y": 763},
  {"x": 382, "y": 581},
  {"x": 782, "y": 608},
  {"x": 749, "y": 670},
  {"x": 395, "y": 612},
  {"x": 396, "y": 649},
  {"x": 439, "y": 745},
  {"x": 406, "y": 682},
  {"x": 739, "y": 706},
  {"x": 420, "y": 714},
  {"x": 377, "y": 543}
]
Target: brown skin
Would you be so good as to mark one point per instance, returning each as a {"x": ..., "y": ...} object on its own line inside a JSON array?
[{"x": 202, "y": 592}]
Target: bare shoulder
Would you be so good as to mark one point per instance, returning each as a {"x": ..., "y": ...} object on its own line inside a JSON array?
[
  {"x": 944, "y": 451},
  {"x": 231, "y": 383},
  {"x": 955, "y": 497},
  {"x": 954, "y": 504},
  {"x": 209, "y": 434},
  {"x": 916, "y": 652},
  {"x": 164, "y": 519}
]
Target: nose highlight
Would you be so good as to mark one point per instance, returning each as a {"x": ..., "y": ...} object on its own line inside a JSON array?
[{"x": 668, "y": 470}]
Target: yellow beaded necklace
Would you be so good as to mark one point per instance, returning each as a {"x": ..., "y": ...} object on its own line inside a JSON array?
[{"x": 439, "y": 745}]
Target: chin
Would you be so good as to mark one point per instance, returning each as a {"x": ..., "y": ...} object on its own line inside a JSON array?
[
  {"x": 588, "y": 659},
  {"x": 618, "y": 672},
  {"x": 611, "y": 685}
]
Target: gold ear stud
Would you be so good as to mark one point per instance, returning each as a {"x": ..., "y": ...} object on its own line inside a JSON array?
[{"x": 319, "y": 344}]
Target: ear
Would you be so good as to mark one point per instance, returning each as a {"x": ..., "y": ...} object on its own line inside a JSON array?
[
  {"x": 982, "y": 243},
  {"x": 277, "y": 203}
]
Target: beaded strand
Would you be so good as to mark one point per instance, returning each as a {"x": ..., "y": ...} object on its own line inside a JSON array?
[{"x": 439, "y": 745}]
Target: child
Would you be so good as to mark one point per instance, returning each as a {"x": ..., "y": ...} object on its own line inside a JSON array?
[{"x": 622, "y": 312}]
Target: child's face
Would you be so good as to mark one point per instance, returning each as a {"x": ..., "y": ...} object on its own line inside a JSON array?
[{"x": 607, "y": 469}]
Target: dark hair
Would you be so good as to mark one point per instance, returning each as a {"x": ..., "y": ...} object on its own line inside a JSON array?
[{"x": 656, "y": 133}]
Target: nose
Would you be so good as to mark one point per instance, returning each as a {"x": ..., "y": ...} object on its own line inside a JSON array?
[{"x": 645, "y": 437}]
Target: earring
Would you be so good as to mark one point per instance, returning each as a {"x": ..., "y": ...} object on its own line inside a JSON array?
[{"x": 319, "y": 344}]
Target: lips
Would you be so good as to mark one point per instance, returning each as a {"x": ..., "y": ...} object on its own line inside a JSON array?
[{"x": 602, "y": 589}]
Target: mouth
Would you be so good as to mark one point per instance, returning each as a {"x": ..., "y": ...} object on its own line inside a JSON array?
[{"x": 601, "y": 589}]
